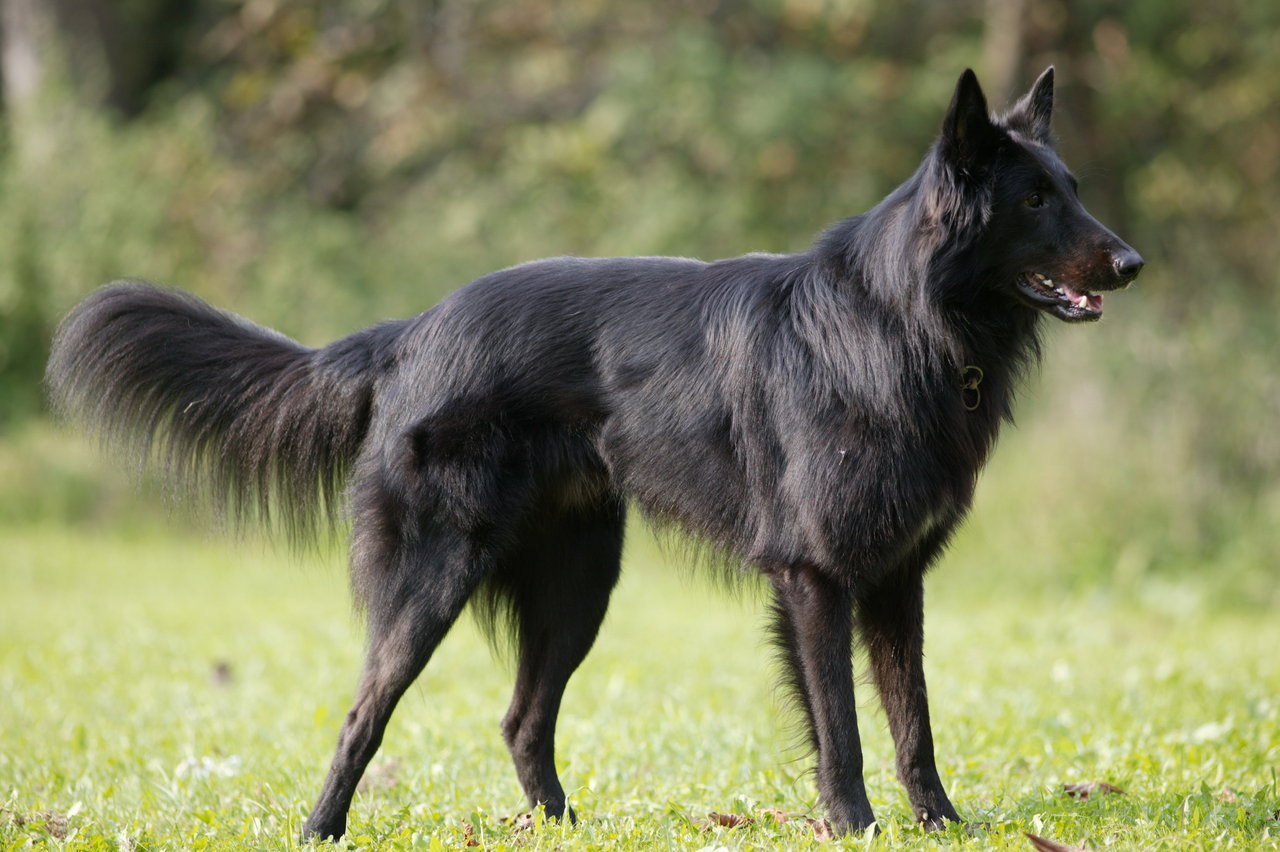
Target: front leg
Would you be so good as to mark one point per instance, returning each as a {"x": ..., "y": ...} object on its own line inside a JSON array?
[
  {"x": 814, "y": 628},
  {"x": 891, "y": 618}
]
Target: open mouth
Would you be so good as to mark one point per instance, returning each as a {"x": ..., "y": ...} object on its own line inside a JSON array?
[{"x": 1062, "y": 300}]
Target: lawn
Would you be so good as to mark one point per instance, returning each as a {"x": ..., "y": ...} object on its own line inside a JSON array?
[{"x": 168, "y": 689}]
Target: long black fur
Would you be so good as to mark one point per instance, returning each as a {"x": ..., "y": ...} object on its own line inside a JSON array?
[
  {"x": 232, "y": 410},
  {"x": 804, "y": 413}
]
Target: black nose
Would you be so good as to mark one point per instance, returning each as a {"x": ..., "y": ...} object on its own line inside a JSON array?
[{"x": 1128, "y": 263}]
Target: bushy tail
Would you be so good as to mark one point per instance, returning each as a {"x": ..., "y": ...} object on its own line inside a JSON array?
[{"x": 264, "y": 426}]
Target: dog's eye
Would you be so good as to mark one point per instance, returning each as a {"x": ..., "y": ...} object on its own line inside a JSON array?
[{"x": 1035, "y": 200}]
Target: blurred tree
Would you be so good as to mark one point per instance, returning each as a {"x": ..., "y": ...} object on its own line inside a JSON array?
[
  {"x": 108, "y": 52},
  {"x": 30, "y": 45},
  {"x": 58, "y": 58},
  {"x": 1004, "y": 49}
]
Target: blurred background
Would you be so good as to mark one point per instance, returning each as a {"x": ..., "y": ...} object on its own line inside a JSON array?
[{"x": 318, "y": 165}]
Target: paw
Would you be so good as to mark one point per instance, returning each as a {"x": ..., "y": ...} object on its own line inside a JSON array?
[
  {"x": 319, "y": 830},
  {"x": 936, "y": 819}
]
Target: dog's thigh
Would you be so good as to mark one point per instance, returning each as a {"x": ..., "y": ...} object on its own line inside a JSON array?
[{"x": 426, "y": 537}]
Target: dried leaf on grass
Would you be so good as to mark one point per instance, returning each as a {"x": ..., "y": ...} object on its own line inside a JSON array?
[
  {"x": 1084, "y": 789},
  {"x": 469, "y": 834},
  {"x": 718, "y": 820},
  {"x": 822, "y": 829},
  {"x": 519, "y": 822},
  {"x": 1045, "y": 845},
  {"x": 782, "y": 817},
  {"x": 51, "y": 821},
  {"x": 221, "y": 673}
]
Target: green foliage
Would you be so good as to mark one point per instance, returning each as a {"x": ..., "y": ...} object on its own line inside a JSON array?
[{"x": 24, "y": 321}]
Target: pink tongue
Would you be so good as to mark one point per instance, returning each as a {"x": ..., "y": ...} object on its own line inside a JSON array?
[{"x": 1089, "y": 301}]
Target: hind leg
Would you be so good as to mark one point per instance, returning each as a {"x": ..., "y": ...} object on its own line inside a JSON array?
[
  {"x": 557, "y": 592},
  {"x": 891, "y": 618},
  {"x": 410, "y": 611}
]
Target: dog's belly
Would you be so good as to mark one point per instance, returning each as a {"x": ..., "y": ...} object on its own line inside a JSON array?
[{"x": 674, "y": 478}]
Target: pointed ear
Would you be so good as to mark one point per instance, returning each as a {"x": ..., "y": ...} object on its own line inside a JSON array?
[
  {"x": 1034, "y": 113},
  {"x": 968, "y": 135}
]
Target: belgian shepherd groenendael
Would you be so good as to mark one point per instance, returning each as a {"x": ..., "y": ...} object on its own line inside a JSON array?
[{"x": 820, "y": 416}]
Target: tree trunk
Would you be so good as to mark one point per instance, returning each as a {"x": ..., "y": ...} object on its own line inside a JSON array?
[
  {"x": 29, "y": 28},
  {"x": 1003, "y": 48},
  {"x": 105, "y": 52}
]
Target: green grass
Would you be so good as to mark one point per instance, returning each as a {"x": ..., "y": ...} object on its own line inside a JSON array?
[
  {"x": 112, "y": 631},
  {"x": 109, "y": 645}
]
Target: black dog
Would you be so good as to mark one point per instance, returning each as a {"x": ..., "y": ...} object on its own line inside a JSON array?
[{"x": 820, "y": 416}]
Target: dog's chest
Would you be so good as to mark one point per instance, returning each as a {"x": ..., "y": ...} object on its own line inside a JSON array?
[{"x": 879, "y": 495}]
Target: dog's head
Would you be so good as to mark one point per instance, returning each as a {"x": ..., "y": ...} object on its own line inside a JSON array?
[{"x": 1038, "y": 244}]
